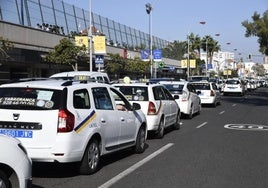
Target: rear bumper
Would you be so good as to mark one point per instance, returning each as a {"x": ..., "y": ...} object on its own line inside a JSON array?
[
  {"x": 50, "y": 155},
  {"x": 184, "y": 107},
  {"x": 153, "y": 122},
  {"x": 208, "y": 100}
]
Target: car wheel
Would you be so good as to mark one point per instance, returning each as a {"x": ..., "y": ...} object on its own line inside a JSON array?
[
  {"x": 160, "y": 131},
  {"x": 91, "y": 158},
  {"x": 177, "y": 124},
  {"x": 140, "y": 141},
  {"x": 190, "y": 116},
  {"x": 199, "y": 108},
  {"x": 4, "y": 183}
]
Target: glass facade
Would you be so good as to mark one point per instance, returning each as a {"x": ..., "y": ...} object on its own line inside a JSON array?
[{"x": 66, "y": 19}]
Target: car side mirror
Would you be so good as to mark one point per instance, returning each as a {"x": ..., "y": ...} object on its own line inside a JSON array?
[
  {"x": 176, "y": 96},
  {"x": 136, "y": 106}
]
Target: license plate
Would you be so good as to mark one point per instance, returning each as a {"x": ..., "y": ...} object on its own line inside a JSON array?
[{"x": 17, "y": 133}]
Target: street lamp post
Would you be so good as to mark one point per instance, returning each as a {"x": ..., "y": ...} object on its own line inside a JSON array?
[
  {"x": 207, "y": 57},
  {"x": 149, "y": 10},
  {"x": 203, "y": 23},
  {"x": 188, "y": 58},
  {"x": 90, "y": 37}
]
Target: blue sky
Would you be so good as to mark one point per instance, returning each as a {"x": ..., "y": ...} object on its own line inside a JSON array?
[{"x": 174, "y": 19}]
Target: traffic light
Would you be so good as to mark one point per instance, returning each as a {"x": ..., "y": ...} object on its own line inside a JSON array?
[{"x": 249, "y": 56}]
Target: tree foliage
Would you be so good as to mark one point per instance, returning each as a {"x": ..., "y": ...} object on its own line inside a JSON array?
[
  {"x": 210, "y": 46},
  {"x": 125, "y": 67},
  {"x": 5, "y": 46},
  {"x": 175, "y": 50},
  {"x": 66, "y": 52},
  {"x": 259, "y": 70},
  {"x": 258, "y": 28}
]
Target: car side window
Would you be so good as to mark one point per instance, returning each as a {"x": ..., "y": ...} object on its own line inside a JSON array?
[
  {"x": 158, "y": 93},
  {"x": 168, "y": 94},
  {"x": 122, "y": 103},
  {"x": 191, "y": 88},
  {"x": 102, "y": 98},
  {"x": 99, "y": 79},
  {"x": 106, "y": 80},
  {"x": 214, "y": 86},
  {"x": 81, "y": 99}
]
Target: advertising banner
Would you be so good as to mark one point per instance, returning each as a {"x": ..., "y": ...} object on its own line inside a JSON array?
[
  {"x": 184, "y": 63},
  {"x": 99, "y": 44},
  {"x": 81, "y": 40}
]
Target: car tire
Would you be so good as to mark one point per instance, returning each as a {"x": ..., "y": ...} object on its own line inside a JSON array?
[
  {"x": 190, "y": 116},
  {"x": 160, "y": 131},
  {"x": 4, "y": 180},
  {"x": 199, "y": 109},
  {"x": 91, "y": 158},
  {"x": 177, "y": 124},
  {"x": 140, "y": 141}
]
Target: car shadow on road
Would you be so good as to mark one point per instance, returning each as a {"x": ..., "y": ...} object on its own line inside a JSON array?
[
  {"x": 63, "y": 170},
  {"x": 258, "y": 97}
]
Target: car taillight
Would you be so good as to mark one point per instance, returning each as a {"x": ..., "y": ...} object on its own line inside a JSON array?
[
  {"x": 65, "y": 121},
  {"x": 184, "y": 96},
  {"x": 151, "y": 108},
  {"x": 212, "y": 93}
]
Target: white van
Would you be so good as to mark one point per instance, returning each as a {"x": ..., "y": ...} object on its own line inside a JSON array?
[{"x": 98, "y": 76}]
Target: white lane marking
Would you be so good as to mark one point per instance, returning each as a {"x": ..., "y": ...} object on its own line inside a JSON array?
[
  {"x": 199, "y": 126},
  {"x": 222, "y": 112},
  {"x": 234, "y": 105},
  {"x": 135, "y": 166}
]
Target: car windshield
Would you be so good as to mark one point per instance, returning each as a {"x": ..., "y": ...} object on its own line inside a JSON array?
[
  {"x": 134, "y": 93},
  {"x": 201, "y": 86},
  {"x": 30, "y": 98},
  {"x": 174, "y": 88},
  {"x": 232, "y": 82}
]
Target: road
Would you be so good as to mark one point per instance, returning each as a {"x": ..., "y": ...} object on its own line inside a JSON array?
[{"x": 223, "y": 147}]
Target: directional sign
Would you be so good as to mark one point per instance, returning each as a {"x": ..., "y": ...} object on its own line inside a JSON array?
[
  {"x": 171, "y": 68},
  {"x": 157, "y": 55},
  {"x": 161, "y": 64},
  {"x": 99, "y": 59},
  {"x": 210, "y": 66},
  {"x": 145, "y": 54}
]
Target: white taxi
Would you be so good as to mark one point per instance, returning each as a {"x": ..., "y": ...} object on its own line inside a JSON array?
[
  {"x": 189, "y": 101},
  {"x": 233, "y": 86},
  {"x": 208, "y": 93},
  {"x": 71, "y": 121},
  {"x": 100, "y": 77},
  {"x": 157, "y": 104},
  {"x": 15, "y": 164}
]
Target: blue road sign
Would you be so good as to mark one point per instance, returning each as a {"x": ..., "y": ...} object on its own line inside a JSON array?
[
  {"x": 157, "y": 55},
  {"x": 99, "y": 59},
  {"x": 145, "y": 54}
]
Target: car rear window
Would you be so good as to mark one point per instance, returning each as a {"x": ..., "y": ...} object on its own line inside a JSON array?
[
  {"x": 174, "y": 88},
  {"x": 201, "y": 86},
  {"x": 30, "y": 98},
  {"x": 232, "y": 82},
  {"x": 134, "y": 93}
]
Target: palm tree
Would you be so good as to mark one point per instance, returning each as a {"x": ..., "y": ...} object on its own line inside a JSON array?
[
  {"x": 195, "y": 45},
  {"x": 210, "y": 46}
]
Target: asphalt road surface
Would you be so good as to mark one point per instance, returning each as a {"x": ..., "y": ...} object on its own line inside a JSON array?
[{"x": 223, "y": 147}]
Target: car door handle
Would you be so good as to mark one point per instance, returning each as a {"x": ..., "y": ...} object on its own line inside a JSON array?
[
  {"x": 122, "y": 119},
  {"x": 103, "y": 120}
]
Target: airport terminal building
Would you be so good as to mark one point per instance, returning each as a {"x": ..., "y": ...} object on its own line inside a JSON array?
[{"x": 36, "y": 26}]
